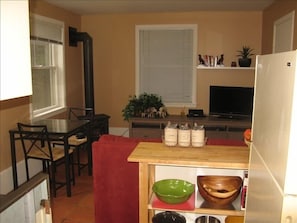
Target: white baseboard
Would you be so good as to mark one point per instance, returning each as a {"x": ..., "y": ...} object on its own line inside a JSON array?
[
  {"x": 6, "y": 180},
  {"x": 119, "y": 131}
]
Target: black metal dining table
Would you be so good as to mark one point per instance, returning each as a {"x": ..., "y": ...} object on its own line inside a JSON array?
[{"x": 58, "y": 129}]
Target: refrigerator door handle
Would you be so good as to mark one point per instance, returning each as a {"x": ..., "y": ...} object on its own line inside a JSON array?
[{"x": 289, "y": 209}]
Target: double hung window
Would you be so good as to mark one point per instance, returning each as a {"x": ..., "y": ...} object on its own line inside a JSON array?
[
  {"x": 165, "y": 62},
  {"x": 47, "y": 59}
]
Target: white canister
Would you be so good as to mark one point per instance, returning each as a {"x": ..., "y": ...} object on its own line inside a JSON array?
[
  {"x": 184, "y": 136},
  {"x": 198, "y": 136},
  {"x": 170, "y": 136}
]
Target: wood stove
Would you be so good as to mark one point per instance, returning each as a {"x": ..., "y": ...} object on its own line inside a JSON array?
[{"x": 99, "y": 122}]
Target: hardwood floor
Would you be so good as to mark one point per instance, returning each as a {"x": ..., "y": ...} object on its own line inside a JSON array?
[{"x": 79, "y": 208}]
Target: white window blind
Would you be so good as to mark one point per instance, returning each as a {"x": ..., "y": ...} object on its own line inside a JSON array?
[
  {"x": 49, "y": 29},
  {"x": 166, "y": 58}
]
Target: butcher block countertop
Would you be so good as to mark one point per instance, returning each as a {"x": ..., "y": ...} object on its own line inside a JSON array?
[{"x": 208, "y": 156}]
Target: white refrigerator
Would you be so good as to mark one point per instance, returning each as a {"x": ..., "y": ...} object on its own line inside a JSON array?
[{"x": 272, "y": 187}]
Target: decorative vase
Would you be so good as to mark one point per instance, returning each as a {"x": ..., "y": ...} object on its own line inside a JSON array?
[{"x": 244, "y": 62}]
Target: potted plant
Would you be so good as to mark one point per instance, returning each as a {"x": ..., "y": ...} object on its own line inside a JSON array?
[
  {"x": 145, "y": 105},
  {"x": 244, "y": 56}
]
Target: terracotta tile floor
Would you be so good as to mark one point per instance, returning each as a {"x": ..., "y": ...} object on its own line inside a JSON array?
[{"x": 79, "y": 208}]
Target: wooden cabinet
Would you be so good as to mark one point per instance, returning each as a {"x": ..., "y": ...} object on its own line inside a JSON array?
[
  {"x": 214, "y": 127},
  {"x": 15, "y": 75},
  {"x": 150, "y": 155}
]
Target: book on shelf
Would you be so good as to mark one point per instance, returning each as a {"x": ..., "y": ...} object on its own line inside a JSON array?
[{"x": 244, "y": 190}]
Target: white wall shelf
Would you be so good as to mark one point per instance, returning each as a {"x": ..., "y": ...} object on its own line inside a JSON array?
[{"x": 225, "y": 68}]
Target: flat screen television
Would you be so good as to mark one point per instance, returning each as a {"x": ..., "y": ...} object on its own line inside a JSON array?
[{"x": 231, "y": 102}]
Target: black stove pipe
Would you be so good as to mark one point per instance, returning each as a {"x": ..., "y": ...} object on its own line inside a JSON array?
[{"x": 86, "y": 39}]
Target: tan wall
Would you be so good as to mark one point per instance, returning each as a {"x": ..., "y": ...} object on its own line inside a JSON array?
[
  {"x": 15, "y": 110},
  {"x": 113, "y": 40},
  {"x": 270, "y": 15},
  {"x": 114, "y": 52},
  {"x": 11, "y": 112}
]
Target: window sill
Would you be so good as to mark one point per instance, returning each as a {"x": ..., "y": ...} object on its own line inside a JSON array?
[{"x": 49, "y": 114}]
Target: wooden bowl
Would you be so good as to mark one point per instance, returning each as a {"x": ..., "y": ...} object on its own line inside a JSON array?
[{"x": 219, "y": 190}]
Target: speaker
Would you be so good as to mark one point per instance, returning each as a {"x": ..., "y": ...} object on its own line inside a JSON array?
[{"x": 195, "y": 113}]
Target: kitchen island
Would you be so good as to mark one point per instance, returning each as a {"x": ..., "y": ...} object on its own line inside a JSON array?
[{"x": 150, "y": 155}]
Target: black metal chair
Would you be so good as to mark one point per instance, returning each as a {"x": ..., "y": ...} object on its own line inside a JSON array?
[
  {"x": 80, "y": 113},
  {"x": 36, "y": 144},
  {"x": 79, "y": 140}
]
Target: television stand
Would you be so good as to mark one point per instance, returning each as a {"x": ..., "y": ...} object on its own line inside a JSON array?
[
  {"x": 215, "y": 127},
  {"x": 230, "y": 117}
]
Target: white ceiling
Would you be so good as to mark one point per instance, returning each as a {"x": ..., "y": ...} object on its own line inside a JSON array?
[{"x": 84, "y": 7}]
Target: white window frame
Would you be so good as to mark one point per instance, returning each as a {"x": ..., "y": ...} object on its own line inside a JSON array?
[
  {"x": 57, "y": 66},
  {"x": 283, "y": 33},
  {"x": 194, "y": 28}
]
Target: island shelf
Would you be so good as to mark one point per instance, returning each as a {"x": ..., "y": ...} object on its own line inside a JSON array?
[{"x": 151, "y": 154}]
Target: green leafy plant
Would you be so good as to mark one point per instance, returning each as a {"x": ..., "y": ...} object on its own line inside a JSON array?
[
  {"x": 141, "y": 105},
  {"x": 245, "y": 52}
]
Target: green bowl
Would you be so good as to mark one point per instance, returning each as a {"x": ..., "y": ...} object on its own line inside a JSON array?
[{"x": 173, "y": 191}]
